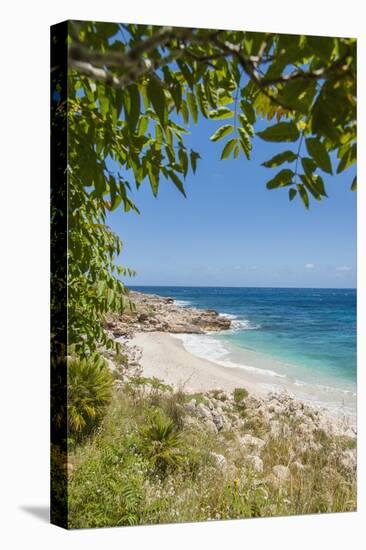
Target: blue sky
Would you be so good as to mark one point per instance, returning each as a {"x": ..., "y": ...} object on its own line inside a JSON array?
[{"x": 232, "y": 231}]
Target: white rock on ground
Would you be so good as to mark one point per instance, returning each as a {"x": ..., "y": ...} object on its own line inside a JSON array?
[
  {"x": 255, "y": 462},
  {"x": 281, "y": 472}
]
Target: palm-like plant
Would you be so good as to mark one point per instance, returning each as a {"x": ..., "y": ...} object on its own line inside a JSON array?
[
  {"x": 89, "y": 393},
  {"x": 160, "y": 441}
]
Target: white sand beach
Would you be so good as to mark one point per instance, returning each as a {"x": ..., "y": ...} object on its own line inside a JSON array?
[{"x": 165, "y": 357}]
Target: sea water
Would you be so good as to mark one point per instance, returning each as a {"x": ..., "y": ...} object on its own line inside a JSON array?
[{"x": 300, "y": 339}]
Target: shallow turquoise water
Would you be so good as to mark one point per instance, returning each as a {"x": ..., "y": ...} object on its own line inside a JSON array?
[{"x": 310, "y": 332}]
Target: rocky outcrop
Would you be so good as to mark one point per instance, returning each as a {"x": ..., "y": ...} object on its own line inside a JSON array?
[{"x": 151, "y": 313}]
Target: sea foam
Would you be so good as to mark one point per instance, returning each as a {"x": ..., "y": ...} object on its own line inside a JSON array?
[
  {"x": 212, "y": 349},
  {"x": 182, "y": 303},
  {"x": 240, "y": 324}
]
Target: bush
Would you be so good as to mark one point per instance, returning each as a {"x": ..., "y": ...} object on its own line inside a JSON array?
[
  {"x": 160, "y": 441},
  {"x": 173, "y": 406},
  {"x": 89, "y": 393},
  {"x": 240, "y": 394}
]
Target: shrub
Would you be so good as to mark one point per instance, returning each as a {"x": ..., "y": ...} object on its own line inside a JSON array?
[
  {"x": 173, "y": 405},
  {"x": 160, "y": 441},
  {"x": 89, "y": 393},
  {"x": 240, "y": 394}
]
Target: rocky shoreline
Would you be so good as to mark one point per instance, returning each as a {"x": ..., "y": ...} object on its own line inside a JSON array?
[
  {"x": 154, "y": 313},
  {"x": 256, "y": 419}
]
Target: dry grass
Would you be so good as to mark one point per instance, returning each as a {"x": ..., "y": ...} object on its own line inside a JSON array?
[{"x": 116, "y": 482}]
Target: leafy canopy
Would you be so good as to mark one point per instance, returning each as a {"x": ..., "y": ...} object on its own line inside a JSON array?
[{"x": 133, "y": 92}]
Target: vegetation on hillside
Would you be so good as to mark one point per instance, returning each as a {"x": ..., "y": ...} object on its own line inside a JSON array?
[{"x": 154, "y": 460}]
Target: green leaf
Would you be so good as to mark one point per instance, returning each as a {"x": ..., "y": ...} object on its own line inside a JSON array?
[
  {"x": 283, "y": 178},
  {"x": 183, "y": 160},
  {"x": 292, "y": 193},
  {"x": 286, "y": 156},
  {"x": 202, "y": 100},
  {"x": 185, "y": 112},
  {"x": 248, "y": 110},
  {"x": 309, "y": 184},
  {"x": 246, "y": 124},
  {"x": 99, "y": 184},
  {"x": 321, "y": 45},
  {"x": 348, "y": 158},
  {"x": 282, "y": 131},
  {"x": 303, "y": 194},
  {"x": 186, "y": 73},
  {"x": 153, "y": 178},
  {"x": 321, "y": 121},
  {"x": 210, "y": 90},
  {"x": 142, "y": 125},
  {"x": 354, "y": 184},
  {"x": 176, "y": 93},
  {"x": 319, "y": 153},
  {"x": 132, "y": 106},
  {"x": 177, "y": 182},
  {"x": 308, "y": 165},
  {"x": 192, "y": 104},
  {"x": 245, "y": 142},
  {"x": 319, "y": 184},
  {"x": 221, "y": 113},
  {"x": 170, "y": 153},
  {"x": 115, "y": 197},
  {"x": 157, "y": 97},
  {"x": 194, "y": 156},
  {"x": 228, "y": 148},
  {"x": 222, "y": 132}
]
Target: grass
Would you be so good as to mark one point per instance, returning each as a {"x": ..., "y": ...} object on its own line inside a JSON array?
[
  {"x": 240, "y": 394},
  {"x": 148, "y": 464}
]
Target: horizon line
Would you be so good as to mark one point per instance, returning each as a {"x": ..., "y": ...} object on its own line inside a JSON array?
[{"x": 249, "y": 286}]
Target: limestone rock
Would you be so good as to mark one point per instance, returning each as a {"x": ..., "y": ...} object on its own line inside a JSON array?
[
  {"x": 255, "y": 462},
  {"x": 250, "y": 441},
  {"x": 155, "y": 313},
  {"x": 218, "y": 420},
  {"x": 282, "y": 473},
  {"x": 348, "y": 459},
  {"x": 220, "y": 460},
  {"x": 203, "y": 411},
  {"x": 252, "y": 402}
]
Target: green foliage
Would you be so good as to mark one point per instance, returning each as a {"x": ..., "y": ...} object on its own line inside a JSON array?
[
  {"x": 222, "y": 132},
  {"x": 286, "y": 156},
  {"x": 282, "y": 131},
  {"x": 284, "y": 177},
  {"x": 132, "y": 92},
  {"x": 160, "y": 441},
  {"x": 240, "y": 394},
  {"x": 115, "y": 480},
  {"x": 154, "y": 382},
  {"x": 228, "y": 148},
  {"x": 89, "y": 386},
  {"x": 319, "y": 153}
]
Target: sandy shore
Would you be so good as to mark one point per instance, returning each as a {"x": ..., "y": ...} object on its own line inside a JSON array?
[{"x": 165, "y": 357}]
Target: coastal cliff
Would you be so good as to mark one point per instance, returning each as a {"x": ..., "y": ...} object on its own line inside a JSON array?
[{"x": 152, "y": 313}]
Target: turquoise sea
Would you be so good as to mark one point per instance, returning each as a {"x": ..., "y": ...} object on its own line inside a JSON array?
[{"x": 303, "y": 339}]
